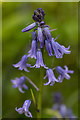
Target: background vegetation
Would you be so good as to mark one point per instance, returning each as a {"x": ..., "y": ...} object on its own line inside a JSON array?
[{"x": 16, "y": 16}]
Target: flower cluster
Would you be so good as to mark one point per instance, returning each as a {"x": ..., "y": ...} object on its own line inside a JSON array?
[
  {"x": 59, "y": 106},
  {"x": 41, "y": 37}
]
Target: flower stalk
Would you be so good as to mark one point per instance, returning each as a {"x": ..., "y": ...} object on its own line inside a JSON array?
[{"x": 31, "y": 83}]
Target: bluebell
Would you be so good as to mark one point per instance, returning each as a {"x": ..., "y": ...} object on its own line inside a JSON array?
[
  {"x": 63, "y": 73},
  {"x": 40, "y": 37},
  {"x": 51, "y": 77},
  {"x": 48, "y": 48},
  {"x": 23, "y": 64},
  {"x": 47, "y": 34},
  {"x": 58, "y": 49},
  {"x": 25, "y": 109},
  {"x": 20, "y": 83},
  {"x": 39, "y": 61}
]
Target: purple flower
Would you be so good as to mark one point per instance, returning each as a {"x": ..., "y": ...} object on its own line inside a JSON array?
[
  {"x": 40, "y": 37},
  {"x": 63, "y": 73},
  {"x": 63, "y": 110},
  {"x": 47, "y": 33},
  {"x": 33, "y": 51},
  {"x": 19, "y": 83},
  {"x": 48, "y": 47},
  {"x": 23, "y": 63},
  {"x": 25, "y": 109},
  {"x": 51, "y": 77},
  {"x": 31, "y": 26},
  {"x": 58, "y": 49},
  {"x": 39, "y": 61}
]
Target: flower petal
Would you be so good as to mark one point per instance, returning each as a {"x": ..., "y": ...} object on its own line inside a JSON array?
[{"x": 20, "y": 110}]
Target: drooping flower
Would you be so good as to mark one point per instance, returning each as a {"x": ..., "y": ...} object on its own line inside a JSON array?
[
  {"x": 47, "y": 34},
  {"x": 58, "y": 49},
  {"x": 25, "y": 109},
  {"x": 63, "y": 110},
  {"x": 31, "y": 26},
  {"x": 20, "y": 83},
  {"x": 40, "y": 37},
  {"x": 39, "y": 61},
  {"x": 23, "y": 63},
  {"x": 51, "y": 77},
  {"x": 48, "y": 47},
  {"x": 33, "y": 51},
  {"x": 63, "y": 73}
]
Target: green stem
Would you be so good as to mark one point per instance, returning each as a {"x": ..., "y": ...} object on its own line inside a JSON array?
[{"x": 39, "y": 104}]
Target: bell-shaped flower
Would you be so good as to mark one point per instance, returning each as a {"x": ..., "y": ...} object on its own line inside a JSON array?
[
  {"x": 40, "y": 37},
  {"x": 51, "y": 77},
  {"x": 58, "y": 49},
  {"x": 25, "y": 109},
  {"x": 23, "y": 63},
  {"x": 63, "y": 110},
  {"x": 47, "y": 34},
  {"x": 31, "y": 26},
  {"x": 20, "y": 83},
  {"x": 33, "y": 51},
  {"x": 63, "y": 73},
  {"x": 39, "y": 61},
  {"x": 48, "y": 47}
]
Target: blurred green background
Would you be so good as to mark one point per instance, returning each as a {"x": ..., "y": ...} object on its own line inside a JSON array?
[{"x": 16, "y": 16}]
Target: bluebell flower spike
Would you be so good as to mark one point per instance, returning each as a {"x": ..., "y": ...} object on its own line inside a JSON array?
[
  {"x": 31, "y": 26},
  {"x": 23, "y": 64},
  {"x": 25, "y": 109},
  {"x": 20, "y": 83},
  {"x": 39, "y": 61},
  {"x": 63, "y": 73},
  {"x": 51, "y": 77}
]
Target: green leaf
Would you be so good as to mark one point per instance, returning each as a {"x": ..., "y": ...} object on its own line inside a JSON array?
[{"x": 33, "y": 96}]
